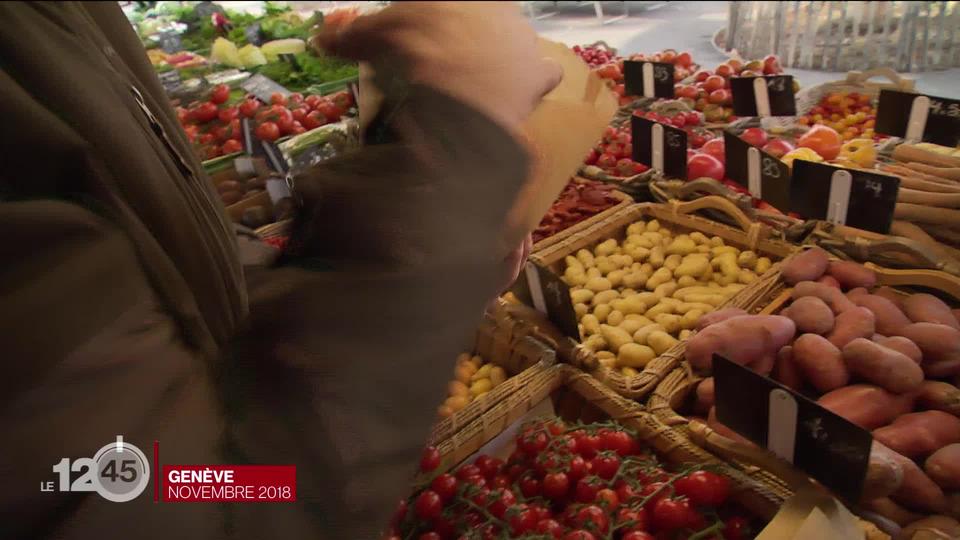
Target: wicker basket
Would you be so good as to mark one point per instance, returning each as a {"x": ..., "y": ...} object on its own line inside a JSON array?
[
  {"x": 577, "y": 396},
  {"x": 624, "y": 201},
  {"x": 522, "y": 357},
  {"x": 678, "y": 216},
  {"x": 672, "y": 395},
  {"x": 279, "y": 228}
]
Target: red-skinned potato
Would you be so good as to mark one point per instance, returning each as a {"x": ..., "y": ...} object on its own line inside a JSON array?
[
  {"x": 890, "y": 294},
  {"x": 932, "y": 528},
  {"x": 850, "y": 325},
  {"x": 866, "y": 405},
  {"x": 746, "y": 340},
  {"x": 917, "y": 491},
  {"x": 901, "y": 345},
  {"x": 830, "y": 281},
  {"x": 805, "y": 266},
  {"x": 718, "y": 316},
  {"x": 917, "y": 435},
  {"x": 833, "y": 297},
  {"x": 929, "y": 308},
  {"x": 706, "y": 396},
  {"x": 785, "y": 370},
  {"x": 887, "y": 316},
  {"x": 852, "y": 294},
  {"x": 943, "y": 467},
  {"x": 887, "y": 368},
  {"x": 940, "y": 345},
  {"x": 885, "y": 507},
  {"x": 820, "y": 362},
  {"x": 884, "y": 476},
  {"x": 811, "y": 315},
  {"x": 851, "y": 274},
  {"x": 939, "y": 396}
]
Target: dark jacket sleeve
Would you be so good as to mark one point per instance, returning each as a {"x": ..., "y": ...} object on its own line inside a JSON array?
[{"x": 402, "y": 245}]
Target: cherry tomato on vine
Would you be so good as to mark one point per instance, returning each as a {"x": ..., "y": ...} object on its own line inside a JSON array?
[
  {"x": 587, "y": 488},
  {"x": 501, "y": 500},
  {"x": 220, "y": 94},
  {"x": 672, "y": 514},
  {"x": 532, "y": 443},
  {"x": 625, "y": 492},
  {"x": 606, "y": 464},
  {"x": 579, "y": 535},
  {"x": 430, "y": 457},
  {"x": 445, "y": 485},
  {"x": 549, "y": 527},
  {"x": 736, "y": 528},
  {"x": 489, "y": 466},
  {"x": 607, "y": 499},
  {"x": 704, "y": 488},
  {"x": 467, "y": 471},
  {"x": 637, "y": 518},
  {"x": 555, "y": 485},
  {"x": 576, "y": 468},
  {"x": 619, "y": 441},
  {"x": 530, "y": 485},
  {"x": 591, "y": 518},
  {"x": 522, "y": 520},
  {"x": 267, "y": 131},
  {"x": 500, "y": 481},
  {"x": 638, "y": 535},
  {"x": 430, "y": 536},
  {"x": 230, "y": 146},
  {"x": 277, "y": 98},
  {"x": 428, "y": 505},
  {"x": 588, "y": 444}
]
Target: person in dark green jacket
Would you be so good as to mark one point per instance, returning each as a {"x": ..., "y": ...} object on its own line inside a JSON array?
[{"x": 125, "y": 308}]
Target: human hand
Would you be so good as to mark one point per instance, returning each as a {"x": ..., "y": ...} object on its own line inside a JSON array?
[{"x": 482, "y": 53}]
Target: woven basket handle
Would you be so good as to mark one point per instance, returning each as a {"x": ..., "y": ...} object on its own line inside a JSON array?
[
  {"x": 722, "y": 204},
  {"x": 933, "y": 279},
  {"x": 862, "y": 78},
  {"x": 705, "y": 437}
]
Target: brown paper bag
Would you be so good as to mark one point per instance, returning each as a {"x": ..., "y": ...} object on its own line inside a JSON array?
[{"x": 812, "y": 514}]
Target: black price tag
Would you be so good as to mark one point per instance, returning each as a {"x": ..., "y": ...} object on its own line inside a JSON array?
[
  {"x": 766, "y": 177},
  {"x": 263, "y": 87},
  {"x": 545, "y": 291},
  {"x": 170, "y": 42},
  {"x": 824, "y": 445},
  {"x": 250, "y": 146},
  {"x": 275, "y": 158},
  {"x": 648, "y": 79},
  {"x": 853, "y": 197},
  {"x": 254, "y": 34},
  {"x": 659, "y": 146},
  {"x": 918, "y": 117},
  {"x": 763, "y": 96}
]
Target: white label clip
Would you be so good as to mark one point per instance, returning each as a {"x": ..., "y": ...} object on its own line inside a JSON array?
[
  {"x": 782, "y": 424},
  {"x": 840, "y": 184},
  {"x": 918, "y": 119}
]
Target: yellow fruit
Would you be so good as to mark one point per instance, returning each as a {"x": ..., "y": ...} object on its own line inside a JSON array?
[
  {"x": 457, "y": 402},
  {"x": 457, "y": 388},
  {"x": 480, "y": 387},
  {"x": 482, "y": 373},
  {"x": 463, "y": 373},
  {"x": 497, "y": 375},
  {"x": 444, "y": 411}
]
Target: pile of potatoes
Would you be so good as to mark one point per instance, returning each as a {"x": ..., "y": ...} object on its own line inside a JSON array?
[
  {"x": 636, "y": 298},
  {"x": 886, "y": 361},
  {"x": 472, "y": 377}
]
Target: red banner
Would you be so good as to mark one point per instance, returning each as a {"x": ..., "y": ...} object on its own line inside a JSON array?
[{"x": 229, "y": 483}]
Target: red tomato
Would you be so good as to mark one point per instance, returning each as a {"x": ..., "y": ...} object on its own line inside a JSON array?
[
  {"x": 592, "y": 518},
  {"x": 267, "y": 131},
  {"x": 204, "y": 112},
  {"x": 754, "y": 136},
  {"x": 673, "y": 514},
  {"x": 632, "y": 519},
  {"x": 683, "y": 59},
  {"x": 587, "y": 444},
  {"x": 719, "y": 97},
  {"x": 298, "y": 128},
  {"x": 500, "y": 481},
  {"x": 467, "y": 471},
  {"x": 555, "y": 485},
  {"x": 295, "y": 98},
  {"x": 587, "y": 488},
  {"x": 299, "y": 113},
  {"x": 610, "y": 134},
  {"x": 328, "y": 109},
  {"x": 430, "y": 457},
  {"x": 342, "y": 99},
  {"x": 771, "y": 65},
  {"x": 609, "y": 71},
  {"x": 668, "y": 55},
  {"x": 637, "y": 535},
  {"x": 220, "y": 94},
  {"x": 529, "y": 485},
  {"x": 605, "y": 465},
  {"x": 605, "y": 161},
  {"x": 576, "y": 468},
  {"x": 724, "y": 70},
  {"x": 428, "y": 505},
  {"x": 249, "y": 108},
  {"x": 183, "y": 115},
  {"x": 231, "y": 146},
  {"x": 823, "y": 140},
  {"x": 445, "y": 486},
  {"x": 736, "y": 528},
  {"x": 716, "y": 148},
  {"x": 687, "y": 91},
  {"x": 430, "y": 536},
  {"x": 286, "y": 124},
  {"x": 312, "y": 101},
  {"x": 489, "y": 466},
  {"x": 549, "y": 527},
  {"x": 704, "y": 488},
  {"x": 314, "y": 120},
  {"x": 532, "y": 443},
  {"x": 619, "y": 441},
  {"x": 277, "y": 98},
  {"x": 607, "y": 499},
  {"x": 714, "y": 82},
  {"x": 649, "y": 490},
  {"x": 276, "y": 113},
  {"x": 522, "y": 520},
  {"x": 210, "y": 152},
  {"x": 579, "y": 535},
  {"x": 777, "y": 147},
  {"x": 704, "y": 166},
  {"x": 228, "y": 114},
  {"x": 701, "y": 75},
  {"x": 207, "y": 138},
  {"x": 502, "y": 500}
]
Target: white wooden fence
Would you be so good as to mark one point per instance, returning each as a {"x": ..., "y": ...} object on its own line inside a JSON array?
[{"x": 844, "y": 36}]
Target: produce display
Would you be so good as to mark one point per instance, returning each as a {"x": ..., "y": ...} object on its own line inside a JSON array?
[
  {"x": 570, "y": 481},
  {"x": 472, "y": 377},
  {"x": 852, "y": 114},
  {"x": 578, "y": 201},
  {"x": 213, "y": 126},
  {"x": 884, "y": 360},
  {"x": 636, "y": 297},
  {"x": 709, "y": 91}
]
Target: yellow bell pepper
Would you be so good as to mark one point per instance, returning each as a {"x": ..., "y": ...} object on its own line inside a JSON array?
[
  {"x": 859, "y": 151},
  {"x": 801, "y": 153}
]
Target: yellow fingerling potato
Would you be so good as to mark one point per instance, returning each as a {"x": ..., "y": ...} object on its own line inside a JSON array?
[
  {"x": 581, "y": 310},
  {"x": 691, "y": 318},
  {"x": 660, "y": 342},
  {"x": 480, "y": 387},
  {"x": 634, "y": 355},
  {"x": 598, "y": 284},
  {"x": 606, "y": 247},
  {"x": 615, "y": 318},
  {"x": 604, "y": 297},
  {"x": 590, "y": 324},
  {"x": 747, "y": 259},
  {"x": 670, "y": 322},
  {"x": 681, "y": 245},
  {"x": 616, "y": 337},
  {"x": 763, "y": 265},
  {"x": 581, "y": 296},
  {"x": 585, "y": 257},
  {"x": 457, "y": 388},
  {"x": 640, "y": 336}
]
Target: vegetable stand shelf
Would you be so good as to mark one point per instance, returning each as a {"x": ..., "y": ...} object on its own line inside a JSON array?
[
  {"x": 684, "y": 392},
  {"x": 652, "y": 276}
]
